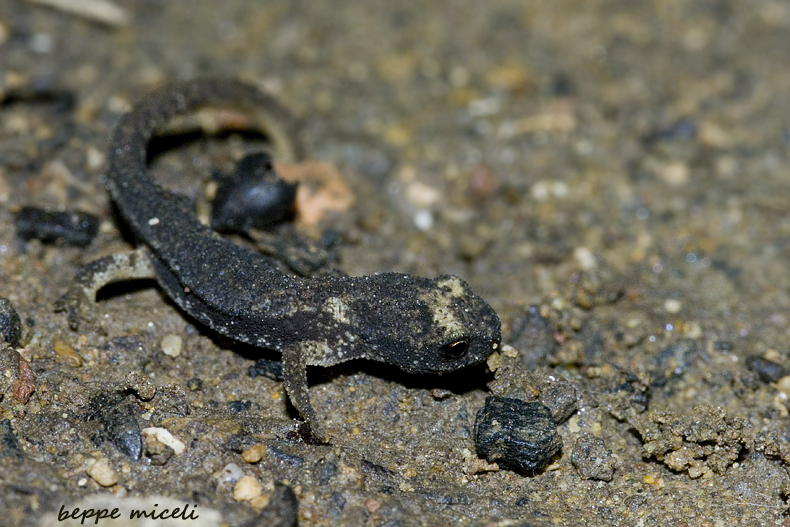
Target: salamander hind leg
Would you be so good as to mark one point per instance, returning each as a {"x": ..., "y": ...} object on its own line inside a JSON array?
[{"x": 79, "y": 301}]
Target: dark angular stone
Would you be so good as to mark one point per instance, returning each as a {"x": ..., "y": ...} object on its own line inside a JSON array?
[
  {"x": 117, "y": 416},
  {"x": 769, "y": 371},
  {"x": 10, "y": 324},
  {"x": 515, "y": 434}
]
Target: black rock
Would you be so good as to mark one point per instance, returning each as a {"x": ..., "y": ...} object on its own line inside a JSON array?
[
  {"x": 271, "y": 369},
  {"x": 769, "y": 371},
  {"x": 119, "y": 423},
  {"x": 515, "y": 434},
  {"x": 69, "y": 227},
  {"x": 10, "y": 324},
  {"x": 254, "y": 196},
  {"x": 9, "y": 444},
  {"x": 324, "y": 471}
]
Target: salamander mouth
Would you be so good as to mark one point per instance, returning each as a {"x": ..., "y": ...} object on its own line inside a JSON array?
[{"x": 443, "y": 366}]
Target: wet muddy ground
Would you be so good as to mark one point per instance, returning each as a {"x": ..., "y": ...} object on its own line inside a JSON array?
[{"x": 613, "y": 177}]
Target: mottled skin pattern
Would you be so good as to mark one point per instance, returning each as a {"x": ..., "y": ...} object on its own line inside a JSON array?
[{"x": 417, "y": 324}]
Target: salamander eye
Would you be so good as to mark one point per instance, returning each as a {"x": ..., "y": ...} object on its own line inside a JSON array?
[{"x": 455, "y": 350}]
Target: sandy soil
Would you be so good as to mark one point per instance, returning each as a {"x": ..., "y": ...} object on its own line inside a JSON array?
[{"x": 623, "y": 166}]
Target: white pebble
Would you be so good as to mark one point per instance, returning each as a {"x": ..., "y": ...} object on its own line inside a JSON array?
[
  {"x": 231, "y": 473},
  {"x": 171, "y": 345},
  {"x": 546, "y": 189},
  {"x": 585, "y": 258},
  {"x": 164, "y": 436},
  {"x": 421, "y": 195},
  {"x": 673, "y": 306},
  {"x": 423, "y": 219},
  {"x": 102, "y": 474},
  {"x": 247, "y": 488}
]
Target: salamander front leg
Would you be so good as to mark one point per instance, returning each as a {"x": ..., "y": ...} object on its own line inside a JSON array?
[{"x": 295, "y": 377}]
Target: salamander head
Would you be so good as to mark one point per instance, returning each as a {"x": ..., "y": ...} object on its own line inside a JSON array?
[{"x": 425, "y": 325}]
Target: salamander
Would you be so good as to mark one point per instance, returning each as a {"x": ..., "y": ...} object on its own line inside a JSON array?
[{"x": 421, "y": 325}]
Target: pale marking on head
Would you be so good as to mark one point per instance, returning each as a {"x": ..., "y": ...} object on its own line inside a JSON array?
[
  {"x": 439, "y": 301},
  {"x": 455, "y": 285}
]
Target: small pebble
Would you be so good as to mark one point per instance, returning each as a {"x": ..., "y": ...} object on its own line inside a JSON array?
[
  {"x": 372, "y": 505},
  {"x": 674, "y": 174},
  {"x": 10, "y": 324},
  {"x": 561, "y": 399},
  {"x": 684, "y": 129},
  {"x": 261, "y": 502},
  {"x": 482, "y": 181},
  {"x": 171, "y": 345},
  {"x": 142, "y": 385},
  {"x": 102, "y": 474},
  {"x": 231, "y": 473},
  {"x": 196, "y": 385},
  {"x": 769, "y": 371},
  {"x": 158, "y": 452},
  {"x": 549, "y": 189},
  {"x": 246, "y": 489},
  {"x": 25, "y": 384},
  {"x": 672, "y": 306},
  {"x": 783, "y": 385},
  {"x": 423, "y": 219},
  {"x": 65, "y": 354},
  {"x": 322, "y": 190},
  {"x": 164, "y": 436},
  {"x": 254, "y": 453},
  {"x": 585, "y": 258},
  {"x": 515, "y": 434},
  {"x": 592, "y": 459},
  {"x": 238, "y": 407},
  {"x": 475, "y": 465},
  {"x": 420, "y": 195},
  {"x": 16, "y": 377}
]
